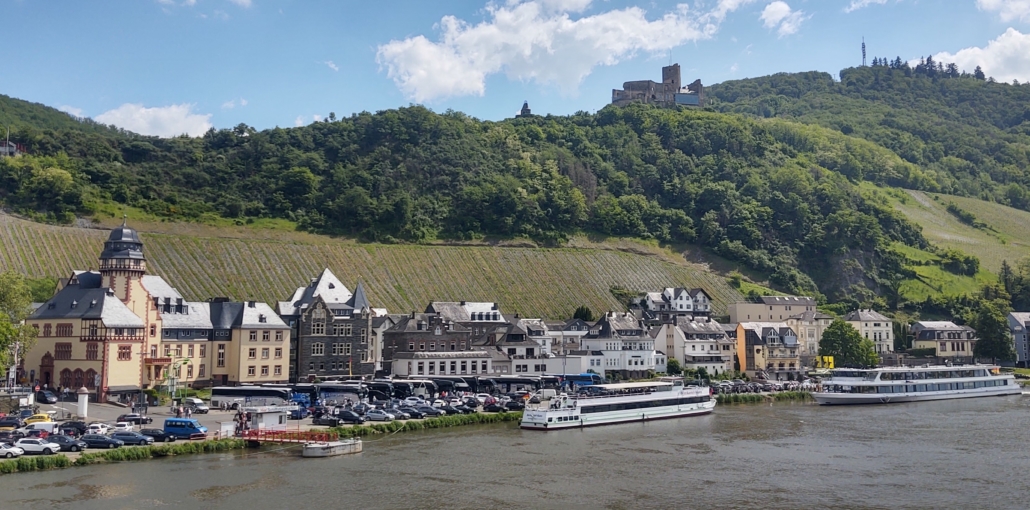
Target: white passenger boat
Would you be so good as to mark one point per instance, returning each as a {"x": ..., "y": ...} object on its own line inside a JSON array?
[
  {"x": 617, "y": 403},
  {"x": 331, "y": 448},
  {"x": 914, "y": 384}
]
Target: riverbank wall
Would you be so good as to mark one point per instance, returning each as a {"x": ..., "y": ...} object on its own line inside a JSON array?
[
  {"x": 58, "y": 461},
  {"x": 427, "y": 424}
]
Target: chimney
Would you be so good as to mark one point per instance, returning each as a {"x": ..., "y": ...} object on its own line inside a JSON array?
[{"x": 251, "y": 304}]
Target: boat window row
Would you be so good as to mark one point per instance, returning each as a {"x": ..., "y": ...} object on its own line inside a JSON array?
[
  {"x": 916, "y": 388},
  {"x": 934, "y": 374},
  {"x": 644, "y": 404}
]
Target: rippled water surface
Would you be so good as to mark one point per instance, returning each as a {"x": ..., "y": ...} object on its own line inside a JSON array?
[{"x": 952, "y": 454}]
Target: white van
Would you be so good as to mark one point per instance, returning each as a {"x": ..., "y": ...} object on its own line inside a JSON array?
[
  {"x": 546, "y": 394},
  {"x": 48, "y": 426}
]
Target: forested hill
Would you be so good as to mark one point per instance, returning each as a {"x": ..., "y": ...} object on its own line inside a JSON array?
[
  {"x": 32, "y": 117},
  {"x": 968, "y": 134}
]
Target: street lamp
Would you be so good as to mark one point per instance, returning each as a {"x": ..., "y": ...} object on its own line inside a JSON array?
[{"x": 173, "y": 367}]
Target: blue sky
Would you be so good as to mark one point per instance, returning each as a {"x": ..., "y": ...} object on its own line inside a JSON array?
[{"x": 171, "y": 66}]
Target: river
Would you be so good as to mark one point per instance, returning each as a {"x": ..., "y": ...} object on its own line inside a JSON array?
[{"x": 950, "y": 454}]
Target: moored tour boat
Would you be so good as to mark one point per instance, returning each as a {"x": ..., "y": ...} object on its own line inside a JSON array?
[
  {"x": 331, "y": 448},
  {"x": 605, "y": 404},
  {"x": 914, "y": 384}
]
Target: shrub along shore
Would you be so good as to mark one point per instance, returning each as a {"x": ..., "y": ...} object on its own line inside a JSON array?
[
  {"x": 756, "y": 398},
  {"x": 47, "y": 462}
]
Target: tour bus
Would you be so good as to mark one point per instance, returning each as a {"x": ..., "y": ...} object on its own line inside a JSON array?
[
  {"x": 584, "y": 379},
  {"x": 337, "y": 393},
  {"x": 235, "y": 396}
]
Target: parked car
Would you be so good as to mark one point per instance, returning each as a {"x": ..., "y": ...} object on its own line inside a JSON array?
[
  {"x": 10, "y": 451},
  {"x": 449, "y": 409},
  {"x": 346, "y": 416},
  {"x": 483, "y": 397},
  {"x": 431, "y": 411},
  {"x": 46, "y": 397},
  {"x": 133, "y": 438},
  {"x": 415, "y": 401},
  {"x": 515, "y": 405},
  {"x": 494, "y": 408},
  {"x": 398, "y": 413},
  {"x": 136, "y": 418},
  {"x": 196, "y": 404},
  {"x": 36, "y": 445},
  {"x": 79, "y": 426},
  {"x": 37, "y": 418},
  {"x": 159, "y": 435},
  {"x": 98, "y": 428},
  {"x": 25, "y": 413},
  {"x": 68, "y": 443},
  {"x": 412, "y": 412},
  {"x": 299, "y": 414},
  {"x": 361, "y": 409},
  {"x": 326, "y": 420},
  {"x": 465, "y": 409},
  {"x": 11, "y": 423},
  {"x": 122, "y": 426},
  {"x": 100, "y": 441},
  {"x": 379, "y": 415},
  {"x": 472, "y": 402},
  {"x": 11, "y": 436}
]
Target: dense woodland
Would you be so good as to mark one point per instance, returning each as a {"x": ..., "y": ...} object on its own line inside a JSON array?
[{"x": 766, "y": 176}]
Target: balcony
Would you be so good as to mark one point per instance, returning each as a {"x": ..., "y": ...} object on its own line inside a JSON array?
[
  {"x": 781, "y": 354},
  {"x": 157, "y": 361}
]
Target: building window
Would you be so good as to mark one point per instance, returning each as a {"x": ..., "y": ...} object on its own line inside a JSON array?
[
  {"x": 253, "y": 336},
  {"x": 168, "y": 350},
  {"x": 421, "y": 368},
  {"x": 264, "y": 370},
  {"x": 265, "y": 336},
  {"x": 92, "y": 351},
  {"x": 251, "y": 353},
  {"x": 189, "y": 351},
  {"x": 411, "y": 346},
  {"x": 278, "y": 336},
  {"x": 124, "y": 352},
  {"x": 318, "y": 328},
  {"x": 250, "y": 371},
  {"x": 278, "y": 370},
  {"x": 345, "y": 348},
  {"x": 203, "y": 351},
  {"x": 264, "y": 353},
  {"x": 432, "y": 346},
  {"x": 483, "y": 364},
  {"x": 64, "y": 330},
  {"x": 63, "y": 351},
  {"x": 321, "y": 367},
  {"x": 91, "y": 378},
  {"x": 278, "y": 352},
  {"x": 189, "y": 371},
  {"x": 200, "y": 371},
  {"x": 178, "y": 351},
  {"x": 421, "y": 346},
  {"x": 46, "y": 330},
  {"x": 318, "y": 349},
  {"x": 347, "y": 330},
  {"x": 220, "y": 362},
  {"x": 474, "y": 367},
  {"x": 364, "y": 336},
  {"x": 66, "y": 378},
  {"x": 454, "y": 367}
]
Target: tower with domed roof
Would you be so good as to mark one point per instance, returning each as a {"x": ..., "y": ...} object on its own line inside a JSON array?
[{"x": 122, "y": 262}]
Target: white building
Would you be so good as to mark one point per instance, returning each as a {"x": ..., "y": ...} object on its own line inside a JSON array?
[
  {"x": 677, "y": 301},
  {"x": 443, "y": 363},
  {"x": 628, "y": 350},
  {"x": 697, "y": 343},
  {"x": 809, "y": 327},
  {"x": 566, "y": 333},
  {"x": 875, "y": 327},
  {"x": 1019, "y": 322}
]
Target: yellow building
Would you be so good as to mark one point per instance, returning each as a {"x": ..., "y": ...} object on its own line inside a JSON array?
[
  {"x": 118, "y": 330},
  {"x": 945, "y": 337},
  {"x": 768, "y": 350}
]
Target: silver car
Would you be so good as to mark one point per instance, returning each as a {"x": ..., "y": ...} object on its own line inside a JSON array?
[
  {"x": 34, "y": 445},
  {"x": 379, "y": 415}
]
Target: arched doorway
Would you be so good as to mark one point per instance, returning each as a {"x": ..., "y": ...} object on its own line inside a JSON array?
[{"x": 46, "y": 369}]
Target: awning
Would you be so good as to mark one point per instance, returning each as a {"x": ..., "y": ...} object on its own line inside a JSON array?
[{"x": 123, "y": 389}]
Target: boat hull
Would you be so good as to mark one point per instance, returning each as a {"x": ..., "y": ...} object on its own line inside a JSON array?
[
  {"x": 896, "y": 398},
  {"x": 331, "y": 449},
  {"x": 538, "y": 421}
]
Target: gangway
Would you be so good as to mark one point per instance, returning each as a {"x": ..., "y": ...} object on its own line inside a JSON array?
[{"x": 256, "y": 437}]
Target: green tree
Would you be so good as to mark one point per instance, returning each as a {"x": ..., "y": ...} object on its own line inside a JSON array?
[
  {"x": 842, "y": 341},
  {"x": 583, "y": 313},
  {"x": 978, "y": 73},
  {"x": 993, "y": 332},
  {"x": 672, "y": 367},
  {"x": 15, "y": 301}
]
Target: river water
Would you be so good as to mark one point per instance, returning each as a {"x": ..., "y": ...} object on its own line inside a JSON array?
[{"x": 950, "y": 454}]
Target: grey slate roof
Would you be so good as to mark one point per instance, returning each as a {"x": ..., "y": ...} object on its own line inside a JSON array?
[
  {"x": 198, "y": 317},
  {"x": 787, "y": 300},
  {"x": 865, "y": 315},
  {"x": 699, "y": 327},
  {"x": 75, "y": 302},
  {"x": 810, "y": 316},
  {"x": 159, "y": 288},
  {"x": 327, "y": 286}
]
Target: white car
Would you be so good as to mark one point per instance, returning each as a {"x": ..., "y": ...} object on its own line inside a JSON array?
[
  {"x": 415, "y": 401},
  {"x": 98, "y": 428},
  {"x": 379, "y": 415},
  {"x": 439, "y": 403},
  {"x": 122, "y": 426},
  {"x": 482, "y": 398},
  {"x": 35, "y": 445},
  {"x": 10, "y": 451}
]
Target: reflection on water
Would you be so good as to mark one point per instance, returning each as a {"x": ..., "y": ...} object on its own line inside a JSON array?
[{"x": 952, "y": 454}]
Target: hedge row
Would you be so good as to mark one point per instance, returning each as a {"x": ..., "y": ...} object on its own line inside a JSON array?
[
  {"x": 754, "y": 398},
  {"x": 45, "y": 462},
  {"x": 426, "y": 424}
]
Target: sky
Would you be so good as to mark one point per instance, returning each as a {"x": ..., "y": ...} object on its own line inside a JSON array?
[{"x": 169, "y": 67}]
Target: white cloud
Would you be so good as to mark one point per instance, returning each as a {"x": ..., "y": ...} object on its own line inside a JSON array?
[
  {"x": 230, "y": 104},
  {"x": 299, "y": 121},
  {"x": 331, "y": 65},
  {"x": 780, "y": 16},
  {"x": 242, "y": 3},
  {"x": 734, "y": 68},
  {"x": 316, "y": 117},
  {"x": 861, "y": 4},
  {"x": 243, "y": 102},
  {"x": 1005, "y": 58},
  {"x": 71, "y": 110},
  {"x": 166, "y": 121},
  {"x": 1008, "y": 10},
  {"x": 537, "y": 40}
]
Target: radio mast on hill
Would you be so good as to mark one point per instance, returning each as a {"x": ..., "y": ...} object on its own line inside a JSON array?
[{"x": 863, "y": 51}]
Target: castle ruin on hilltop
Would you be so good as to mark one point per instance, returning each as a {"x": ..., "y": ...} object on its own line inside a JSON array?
[{"x": 669, "y": 92}]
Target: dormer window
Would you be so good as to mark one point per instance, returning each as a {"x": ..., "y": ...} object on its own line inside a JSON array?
[
  {"x": 51, "y": 306},
  {"x": 75, "y": 303},
  {"x": 262, "y": 318}
]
